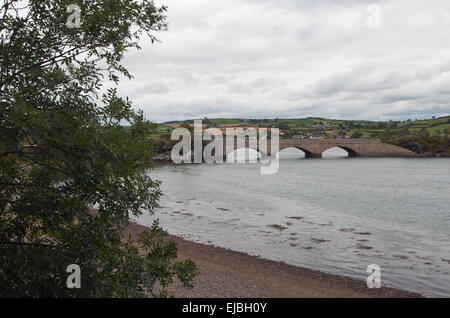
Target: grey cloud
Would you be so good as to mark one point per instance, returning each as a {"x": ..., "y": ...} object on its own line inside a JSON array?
[
  {"x": 294, "y": 58},
  {"x": 151, "y": 88},
  {"x": 250, "y": 87}
]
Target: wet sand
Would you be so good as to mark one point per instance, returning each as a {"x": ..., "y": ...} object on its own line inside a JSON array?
[{"x": 229, "y": 274}]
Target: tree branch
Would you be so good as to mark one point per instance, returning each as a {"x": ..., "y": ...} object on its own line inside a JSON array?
[{"x": 26, "y": 244}]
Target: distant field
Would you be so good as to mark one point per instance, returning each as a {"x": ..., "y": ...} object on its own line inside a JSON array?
[
  {"x": 442, "y": 128},
  {"x": 317, "y": 124},
  {"x": 222, "y": 121}
]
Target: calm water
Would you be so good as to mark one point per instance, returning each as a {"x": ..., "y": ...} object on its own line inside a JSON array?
[{"x": 333, "y": 215}]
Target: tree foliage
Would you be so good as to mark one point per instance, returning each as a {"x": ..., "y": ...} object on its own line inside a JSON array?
[
  {"x": 422, "y": 143},
  {"x": 357, "y": 134},
  {"x": 64, "y": 149}
]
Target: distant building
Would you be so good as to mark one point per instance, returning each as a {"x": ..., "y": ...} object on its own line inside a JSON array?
[
  {"x": 321, "y": 126},
  {"x": 318, "y": 136},
  {"x": 298, "y": 137}
]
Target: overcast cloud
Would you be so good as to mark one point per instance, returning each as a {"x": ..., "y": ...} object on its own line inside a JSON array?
[{"x": 295, "y": 58}]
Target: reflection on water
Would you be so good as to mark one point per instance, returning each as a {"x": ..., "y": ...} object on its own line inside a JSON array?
[{"x": 333, "y": 215}]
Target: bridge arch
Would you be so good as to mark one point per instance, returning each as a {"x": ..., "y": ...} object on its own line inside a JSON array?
[
  {"x": 308, "y": 153},
  {"x": 291, "y": 153},
  {"x": 350, "y": 151}
]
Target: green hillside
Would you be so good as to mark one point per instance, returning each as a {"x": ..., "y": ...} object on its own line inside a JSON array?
[{"x": 435, "y": 126}]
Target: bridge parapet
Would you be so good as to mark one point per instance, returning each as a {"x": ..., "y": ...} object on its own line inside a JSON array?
[
  {"x": 356, "y": 147},
  {"x": 349, "y": 141}
]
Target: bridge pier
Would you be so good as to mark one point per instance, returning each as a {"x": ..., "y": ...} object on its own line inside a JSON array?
[{"x": 313, "y": 155}]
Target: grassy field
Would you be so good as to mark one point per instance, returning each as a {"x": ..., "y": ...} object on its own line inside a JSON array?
[{"x": 435, "y": 126}]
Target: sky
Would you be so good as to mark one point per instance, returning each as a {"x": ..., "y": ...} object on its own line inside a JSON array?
[{"x": 346, "y": 59}]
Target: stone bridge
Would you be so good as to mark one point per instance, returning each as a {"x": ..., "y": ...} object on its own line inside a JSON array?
[{"x": 313, "y": 148}]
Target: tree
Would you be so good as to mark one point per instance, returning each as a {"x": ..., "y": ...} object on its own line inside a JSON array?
[
  {"x": 283, "y": 126},
  {"x": 206, "y": 121},
  {"x": 409, "y": 142},
  {"x": 357, "y": 134},
  {"x": 424, "y": 132},
  {"x": 63, "y": 150}
]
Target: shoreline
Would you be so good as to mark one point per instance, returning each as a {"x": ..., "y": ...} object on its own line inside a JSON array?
[
  {"x": 166, "y": 159},
  {"x": 226, "y": 273}
]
